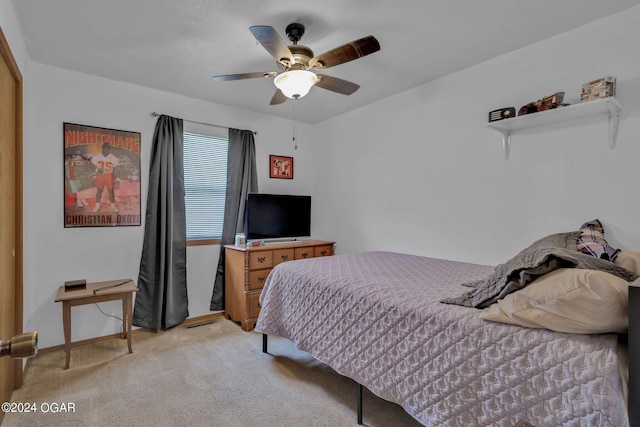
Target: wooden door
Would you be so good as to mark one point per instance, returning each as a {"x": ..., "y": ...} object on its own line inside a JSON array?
[{"x": 10, "y": 215}]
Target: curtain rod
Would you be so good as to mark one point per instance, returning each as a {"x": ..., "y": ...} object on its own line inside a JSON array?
[{"x": 154, "y": 114}]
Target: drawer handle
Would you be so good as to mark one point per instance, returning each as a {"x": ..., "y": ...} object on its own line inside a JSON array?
[
  {"x": 323, "y": 253},
  {"x": 261, "y": 259},
  {"x": 305, "y": 254},
  {"x": 261, "y": 279},
  {"x": 285, "y": 257}
]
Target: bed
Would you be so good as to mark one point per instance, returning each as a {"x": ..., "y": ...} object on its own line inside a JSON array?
[{"x": 387, "y": 321}]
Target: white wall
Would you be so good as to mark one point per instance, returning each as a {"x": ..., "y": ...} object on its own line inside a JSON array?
[
  {"x": 421, "y": 173},
  {"x": 54, "y": 254}
]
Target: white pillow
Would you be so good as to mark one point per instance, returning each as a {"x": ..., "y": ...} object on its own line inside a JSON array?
[
  {"x": 567, "y": 300},
  {"x": 629, "y": 260}
]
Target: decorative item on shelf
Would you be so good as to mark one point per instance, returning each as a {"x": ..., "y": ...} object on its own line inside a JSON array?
[
  {"x": 546, "y": 103},
  {"x": 502, "y": 113},
  {"x": 598, "y": 89}
]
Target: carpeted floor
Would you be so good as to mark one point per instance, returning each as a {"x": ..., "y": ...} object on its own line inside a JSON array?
[{"x": 210, "y": 375}]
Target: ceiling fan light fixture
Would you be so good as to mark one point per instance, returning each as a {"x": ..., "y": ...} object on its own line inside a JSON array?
[{"x": 295, "y": 83}]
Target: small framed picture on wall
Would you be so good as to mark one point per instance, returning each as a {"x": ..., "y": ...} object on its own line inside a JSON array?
[{"x": 280, "y": 167}]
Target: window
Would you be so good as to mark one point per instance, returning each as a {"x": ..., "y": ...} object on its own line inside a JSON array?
[{"x": 205, "y": 184}]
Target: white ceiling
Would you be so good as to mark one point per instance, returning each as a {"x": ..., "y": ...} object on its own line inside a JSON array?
[{"x": 177, "y": 46}]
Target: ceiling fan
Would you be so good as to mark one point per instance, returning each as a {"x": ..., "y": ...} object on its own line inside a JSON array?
[{"x": 297, "y": 62}]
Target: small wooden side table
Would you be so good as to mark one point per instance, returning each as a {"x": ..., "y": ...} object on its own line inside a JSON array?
[{"x": 110, "y": 290}]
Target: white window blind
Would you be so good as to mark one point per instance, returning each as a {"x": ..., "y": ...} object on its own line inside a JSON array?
[{"x": 205, "y": 184}]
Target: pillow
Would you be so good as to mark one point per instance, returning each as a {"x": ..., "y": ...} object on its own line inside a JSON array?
[
  {"x": 567, "y": 300},
  {"x": 592, "y": 241},
  {"x": 629, "y": 260}
]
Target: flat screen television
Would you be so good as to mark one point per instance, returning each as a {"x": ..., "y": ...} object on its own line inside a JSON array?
[{"x": 276, "y": 216}]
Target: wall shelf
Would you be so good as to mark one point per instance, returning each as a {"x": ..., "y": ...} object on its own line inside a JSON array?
[{"x": 608, "y": 106}]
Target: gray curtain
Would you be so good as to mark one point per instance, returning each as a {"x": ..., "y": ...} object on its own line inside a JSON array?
[
  {"x": 241, "y": 180},
  {"x": 161, "y": 302}
]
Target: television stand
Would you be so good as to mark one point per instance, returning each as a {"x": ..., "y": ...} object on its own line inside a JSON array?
[{"x": 247, "y": 268}]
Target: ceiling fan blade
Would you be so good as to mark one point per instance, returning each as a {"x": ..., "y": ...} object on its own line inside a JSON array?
[
  {"x": 345, "y": 53},
  {"x": 230, "y": 77},
  {"x": 278, "y": 98},
  {"x": 335, "y": 84},
  {"x": 271, "y": 41}
]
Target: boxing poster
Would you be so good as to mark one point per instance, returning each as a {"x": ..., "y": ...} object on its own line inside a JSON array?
[{"x": 101, "y": 177}]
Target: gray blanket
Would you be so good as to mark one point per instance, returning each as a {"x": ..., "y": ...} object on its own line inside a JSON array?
[{"x": 545, "y": 255}]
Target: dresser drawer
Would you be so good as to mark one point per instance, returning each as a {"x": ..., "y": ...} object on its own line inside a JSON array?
[
  {"x": 304, "y": 253},
  {"x": 247, "y": 270},
  {"x": 260, "y": 259},
  {"x": 257, "y": 278},
  {"x": 282, "y": 255},
  {"x": 253, "y": 303},
  {"x": 324, "y": 250}
]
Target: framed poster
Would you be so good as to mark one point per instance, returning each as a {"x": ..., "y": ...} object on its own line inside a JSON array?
[
  {"x": 280, "y": 167},
  {"x": 101, "y": 176}
]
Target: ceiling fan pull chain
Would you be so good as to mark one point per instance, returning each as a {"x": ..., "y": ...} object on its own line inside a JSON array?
[{"x": 293, "y": 125}]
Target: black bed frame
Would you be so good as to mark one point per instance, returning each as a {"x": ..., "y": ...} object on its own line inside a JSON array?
[
  {"x": 264, "y": 350},
  {"x": 633, "y": 338}
]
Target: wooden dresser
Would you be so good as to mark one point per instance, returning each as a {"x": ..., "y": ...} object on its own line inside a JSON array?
[{"x": 247, "y": 268}]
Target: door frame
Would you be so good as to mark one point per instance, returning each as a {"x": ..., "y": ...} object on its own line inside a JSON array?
[{"x": 6, "y": 53}]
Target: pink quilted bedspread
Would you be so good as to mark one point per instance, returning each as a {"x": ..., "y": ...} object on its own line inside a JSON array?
[{"x": 376, "y": 318}]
